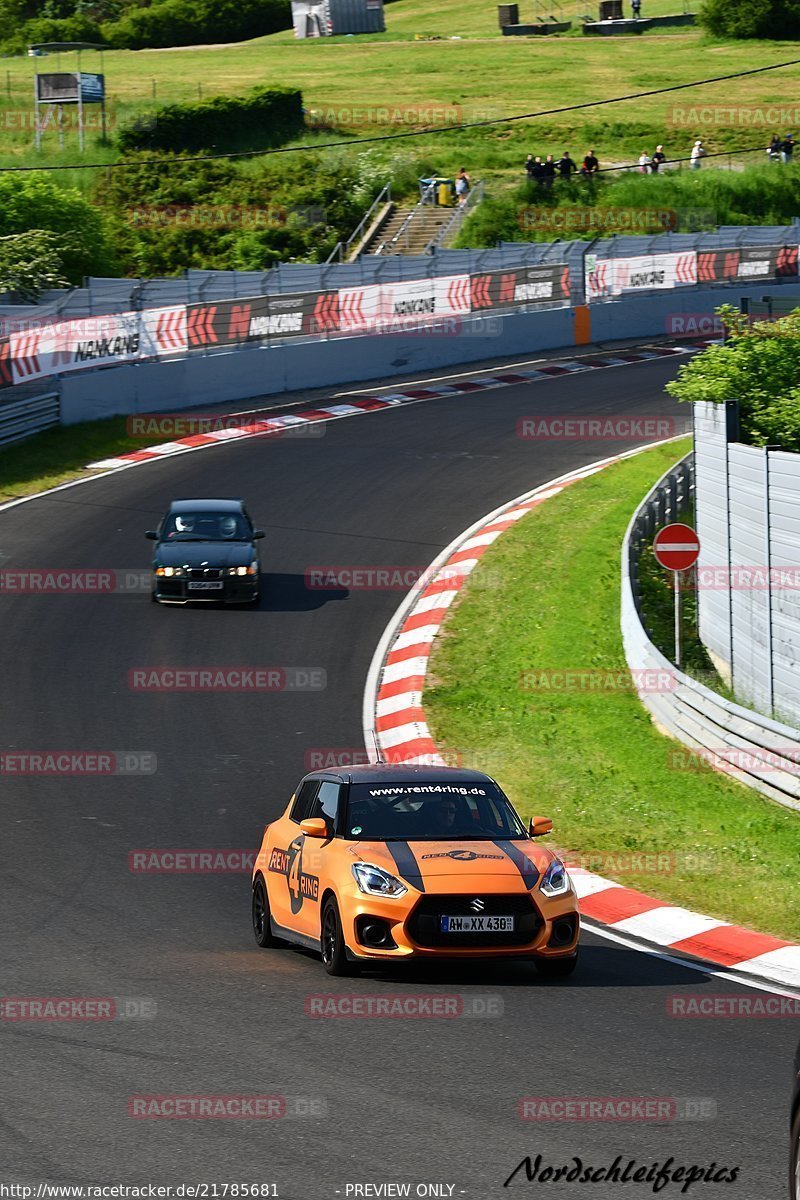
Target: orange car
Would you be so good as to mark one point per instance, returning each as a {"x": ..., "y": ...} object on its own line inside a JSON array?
[{"x": 387, "y": 862}]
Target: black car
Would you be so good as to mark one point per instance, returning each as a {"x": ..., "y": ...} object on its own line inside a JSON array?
[
  {"x": 205, "y": 550},
  {"x": 794, "y": 1158}
]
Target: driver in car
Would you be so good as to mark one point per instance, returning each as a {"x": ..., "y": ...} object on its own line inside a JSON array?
[
  {"x": 183, "y": 525},
  {"x": 448, "y": 817}
]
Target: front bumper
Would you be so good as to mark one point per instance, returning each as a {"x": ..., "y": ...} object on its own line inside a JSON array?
[
  {"x": 414, "y": 928},
  {"x": 236, "y": 589}
]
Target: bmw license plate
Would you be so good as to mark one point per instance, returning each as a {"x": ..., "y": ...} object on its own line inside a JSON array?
[
  {"x": 206, "y": 586},
  {"x": 481, "y": 924}
]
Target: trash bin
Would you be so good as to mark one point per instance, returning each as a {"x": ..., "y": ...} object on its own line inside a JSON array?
[
  {"x": 610, "y": 10},
  {"x": 445, "y": 193},
  {"x": 508, "y": 14}
]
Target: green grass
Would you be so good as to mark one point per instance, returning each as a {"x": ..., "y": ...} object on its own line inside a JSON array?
[
  {"x": 593, "y": 760},
  {"x": 60, "y": 455},
  {"x": 480, "y": 73}
]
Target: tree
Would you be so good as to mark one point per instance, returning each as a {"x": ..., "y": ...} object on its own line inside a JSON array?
[
  {"x": 760, "y": 367},
  {"x": 775, "y": 19}
]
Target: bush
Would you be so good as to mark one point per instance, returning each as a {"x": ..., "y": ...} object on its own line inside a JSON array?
[
  {"x": 77, "y": 28},
  {"x": 190, "y": 22},
  {"x": 264, "y": 117},
  {"x": 31, "y": 262},
  {"x": 775, "y": 19},
  {"x": 759, "y": 367},
  {"x": 35, "y": 202}
]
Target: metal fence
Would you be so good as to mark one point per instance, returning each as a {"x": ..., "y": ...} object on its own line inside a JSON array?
[
  {"x": 29, "y": 414},
  {"x": 748, "y": 521},
  {"x": 755, "y": 749},
  {"x": 98, "y": 295}
]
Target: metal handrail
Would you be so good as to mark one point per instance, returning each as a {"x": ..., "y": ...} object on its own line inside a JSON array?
[
  {"x": 457, "y": 219},
  {"x": 341, "y": 249},
  {"x": 417, "y": 211}
]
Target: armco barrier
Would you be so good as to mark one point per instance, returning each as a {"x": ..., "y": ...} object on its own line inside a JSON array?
[{"x": 762, "y": 753}]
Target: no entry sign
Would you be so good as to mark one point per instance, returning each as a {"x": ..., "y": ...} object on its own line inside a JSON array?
[{"x": 676, "y": 547}]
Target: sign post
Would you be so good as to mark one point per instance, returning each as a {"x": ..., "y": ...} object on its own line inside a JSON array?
[{"x": 677, "y": 548}]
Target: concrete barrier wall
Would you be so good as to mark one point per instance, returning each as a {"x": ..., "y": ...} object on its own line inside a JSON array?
[{"x": 247, "y": 372}]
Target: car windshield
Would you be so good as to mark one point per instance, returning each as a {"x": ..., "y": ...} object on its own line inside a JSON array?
[
  {"x": 203, "y": 526},
  {"x": 435, "y": 810}
]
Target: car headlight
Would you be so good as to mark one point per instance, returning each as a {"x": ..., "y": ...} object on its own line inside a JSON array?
[
  {"x": 377, "y": 882},
  {"x": 556, "y": 881},
  {"x": 251, "y": 570}
]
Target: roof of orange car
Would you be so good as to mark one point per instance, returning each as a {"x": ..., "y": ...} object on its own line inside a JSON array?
[{"x": 401, "y": 773}]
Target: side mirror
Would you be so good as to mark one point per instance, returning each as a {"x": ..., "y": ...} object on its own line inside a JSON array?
[
  {"x": 540, "y": 825},
  {"x": 314, "y": 827},
  {"x": 258, "y": 533},
  {"x": 151, "y": 535}
]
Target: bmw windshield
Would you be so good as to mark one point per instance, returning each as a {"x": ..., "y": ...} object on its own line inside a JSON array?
[
  {"x": 430, "y": 812},
  {"x": 206, "y": 527}
]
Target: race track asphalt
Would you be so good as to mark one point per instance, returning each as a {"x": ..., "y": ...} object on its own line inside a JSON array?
[{"x": 404, "y": 1100}]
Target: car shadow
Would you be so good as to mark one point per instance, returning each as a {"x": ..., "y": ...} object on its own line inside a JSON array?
[
  {"x": 600, "y": 966},
  {"x": 282, "y": 591}
]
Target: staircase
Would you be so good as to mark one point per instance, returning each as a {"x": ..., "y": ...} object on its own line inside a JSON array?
[{"x": 408, "y": 229}]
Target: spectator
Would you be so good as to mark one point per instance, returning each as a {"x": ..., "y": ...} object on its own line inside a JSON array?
[
  {"x": 549, "y": 171},
  {"x": 590, "y": 164},
  {"x": 775, "y": 148},
  {"x": 462, "y": 186},
  {"x": 538, "y": 171},
  {"x": 658, "y": 159},
  {"x": 698, "y": 153},
  {"x": 788, "y": 149},
  {"x": 529, "y": 167},
  {"x": 566, "y": 165},
  {"x": 636, "y": 8},
  {"x": 645, "y": 163}
]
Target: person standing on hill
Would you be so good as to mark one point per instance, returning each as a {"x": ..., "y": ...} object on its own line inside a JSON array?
[
  {"x": 566, "y": 165},
  {"x": 590, "y": 164},
  {"x": 788, "y": 149},
  {"x": 645, "y": 163},
  {"x": 549, "y": 170},
  {"x": 537, "y": 173},
  {"x": 698, "y": 153},
  {"x": 658, "y": 159},
  {"x": 462, "y": 186},
  {"x": 775, "y": 148}
]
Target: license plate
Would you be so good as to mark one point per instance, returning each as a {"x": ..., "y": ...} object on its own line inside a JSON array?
[
  {"x": 208, "y": 586},
  {"x": 477, "y": 924}
]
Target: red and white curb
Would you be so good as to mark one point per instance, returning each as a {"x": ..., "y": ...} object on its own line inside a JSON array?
[
  {"x": 394, "y": 716},
  {"x": 275, "y": 425}
]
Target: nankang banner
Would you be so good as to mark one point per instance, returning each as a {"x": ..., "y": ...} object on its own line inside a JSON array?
[
  {"x": 541, "y": 284},
  {"x": 640, "y": 273},
  {"x": 746, "y": 262}
]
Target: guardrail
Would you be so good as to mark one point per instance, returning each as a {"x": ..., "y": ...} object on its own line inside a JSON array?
[
  {"x": 760, "y": 752},
  {"x": 22, "y": 418}
]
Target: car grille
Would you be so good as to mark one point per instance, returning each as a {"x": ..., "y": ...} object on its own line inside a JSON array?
[
  {"x": 424, "y": 924},
  {"x": 205, "y": 573}
]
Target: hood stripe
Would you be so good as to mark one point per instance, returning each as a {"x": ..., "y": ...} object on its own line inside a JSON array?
[
  {"x": 523, "y": 864},
  {"x": 407, "y": 865}
]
